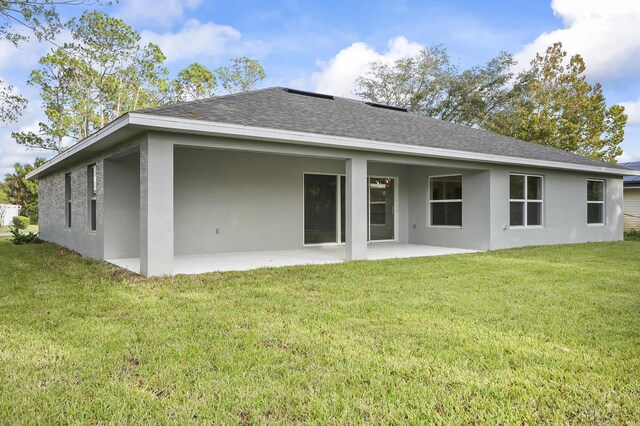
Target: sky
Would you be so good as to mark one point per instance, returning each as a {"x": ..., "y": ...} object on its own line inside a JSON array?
[{"x": 324, "y": 46}]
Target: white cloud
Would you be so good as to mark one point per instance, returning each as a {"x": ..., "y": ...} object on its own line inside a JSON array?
[
  {"x": 26, "y": 55},
  {"x": 10, "y": 151},
  {"x": 632, "y": 109},
  {"x": 196, "y": 40},
  {"x": 337, "y": 76},
  {"x": 605, "y": 33},
  {"x": 631, "y": 143},
  {"x": 159, "y": 12}
]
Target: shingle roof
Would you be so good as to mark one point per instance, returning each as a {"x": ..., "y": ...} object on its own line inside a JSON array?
[
  {"x": 286, "y": 109},
  {"x": 631, "y": 180}
]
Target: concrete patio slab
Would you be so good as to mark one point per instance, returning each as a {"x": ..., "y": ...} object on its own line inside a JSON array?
[{"x": 222, "y": 262}]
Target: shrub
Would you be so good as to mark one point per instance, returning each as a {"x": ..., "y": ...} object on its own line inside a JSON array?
[
  {"x": 18, "y": 237},
  {"x": 21, "y": 222},
  {"x": 632, "y": 235}
]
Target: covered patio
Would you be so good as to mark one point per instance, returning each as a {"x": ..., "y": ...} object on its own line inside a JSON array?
[
  {"x": 315, "y": 255},
  {"x": 183, "y": 207}
]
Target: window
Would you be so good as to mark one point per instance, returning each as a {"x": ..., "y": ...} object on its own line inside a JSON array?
[
  {"x": 595, "y": 202},
  {"x": 92, "y": 189},
  {"x": 67, "y": 199},
  {"x": 445, "y": 200},
  {"x": 525, "y": 200}
]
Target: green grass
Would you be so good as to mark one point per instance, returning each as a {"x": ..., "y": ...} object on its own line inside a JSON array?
[
  {"x": 30, "y": 228},
  {"x": 536, "y": 335}
]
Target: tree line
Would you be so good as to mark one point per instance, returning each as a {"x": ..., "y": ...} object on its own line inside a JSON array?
[
  {"x": 549, "y": 102},
  {"x": 106, "y": 71}
]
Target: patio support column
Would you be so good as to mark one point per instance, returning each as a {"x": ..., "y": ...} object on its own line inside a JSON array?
[
  {"x": 156, "y": 206},
  {"x": 356, "y": 211}
]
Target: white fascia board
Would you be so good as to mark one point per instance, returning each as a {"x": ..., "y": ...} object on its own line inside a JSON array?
[
  {"x": 303, "y": 138},
  {"x": 90, "y": 140},
  {"x": 181, "y": 125}
]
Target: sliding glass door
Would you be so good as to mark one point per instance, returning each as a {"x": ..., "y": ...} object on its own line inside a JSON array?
[
  {"x": 324, "y": 197},
  {"x": 325, "y": 206}
]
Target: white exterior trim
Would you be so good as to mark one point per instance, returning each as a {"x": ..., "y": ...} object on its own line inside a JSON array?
[
  {"x": 90, "y": 140},
  {"x": 396, "y": 200},
  {"x": 602, "y": 202},
  {"x": 174, "y": 124}
]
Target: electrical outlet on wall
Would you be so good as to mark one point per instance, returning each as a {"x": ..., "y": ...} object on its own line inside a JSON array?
[
  {"x": 217, "y": 231},
  {"x": 414, "y": 226}
]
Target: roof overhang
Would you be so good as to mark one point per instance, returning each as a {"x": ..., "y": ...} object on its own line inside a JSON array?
[{"x": 133, "y": 123}]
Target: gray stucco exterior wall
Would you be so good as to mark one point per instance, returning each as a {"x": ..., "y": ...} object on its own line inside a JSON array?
[
  {"x": 200, "y": 195},
  {"x": 51, "y": 194},
  {"x": 230, "y": 202},
  {"x": 564, "y": 210},
  {"x": 121, "y": 210},
  {"x": 474, "y": 232}
]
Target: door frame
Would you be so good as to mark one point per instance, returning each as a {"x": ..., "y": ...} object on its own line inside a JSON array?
[
  {"x": 339, "y": 224},
  {"x": 396, "y": 191}
]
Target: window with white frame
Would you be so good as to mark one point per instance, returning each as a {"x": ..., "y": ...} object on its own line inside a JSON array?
[
  {"x": 67, "y": 199},
  {"x": 445, "y": 200},
  {"x": 92, "y": 190},
  {"x": 595, "y": 202},
  {"x": 525, "y": 200}
]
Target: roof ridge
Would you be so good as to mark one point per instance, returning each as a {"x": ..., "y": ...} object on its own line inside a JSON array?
[{"x": 205, "y": 100}]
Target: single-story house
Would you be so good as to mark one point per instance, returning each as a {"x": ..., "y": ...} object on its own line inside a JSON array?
[
  {"x": 7, "y": 213},
  {"x": 631, "y": 185},
  {"x": 192, "y": 187}
]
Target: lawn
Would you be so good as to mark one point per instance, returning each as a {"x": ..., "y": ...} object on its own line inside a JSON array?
[
  {"x": 535, "y": 335},
  {"x": 30, "y": 228}
]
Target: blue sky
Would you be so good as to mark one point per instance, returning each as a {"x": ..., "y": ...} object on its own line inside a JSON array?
[{"x": 323, "y": 46}]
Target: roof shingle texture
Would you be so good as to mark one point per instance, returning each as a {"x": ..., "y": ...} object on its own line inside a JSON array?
[{"x": 277, "y": 108}]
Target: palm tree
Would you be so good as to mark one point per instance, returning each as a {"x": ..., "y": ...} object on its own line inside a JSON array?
[{"x": 22, "y": 191}]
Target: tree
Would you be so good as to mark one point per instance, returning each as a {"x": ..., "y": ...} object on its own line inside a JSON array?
[
  {"x": 37, "y": 17},
  {"x": 552, "y": 104},
  {"x": 241, "y": 76},
  {"x": 22, "y": 191},
  {"x": 194, "y": 82},
  {"x": 549, "y": 103},
  {"x": 11, "y": 103},
  {"x": 87, "y": 83},
  {"x": 429, "y": 84},
  {"x": 414, "y": 82},
  {"x": 472, "y": 95},
  {"x": 18, "y": 19},
  {"x": 4, "y": 197}
]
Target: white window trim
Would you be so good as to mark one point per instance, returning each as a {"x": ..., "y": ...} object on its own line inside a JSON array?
[
  {"x": 68, "y": 202},
  {"x": 396, "y": 182},
  {"x": 93, "y": 196},
  {"x": 526, "y": 201},
  {"x": 604, "y": 206},
  {"x": 430, "y": 201}
]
